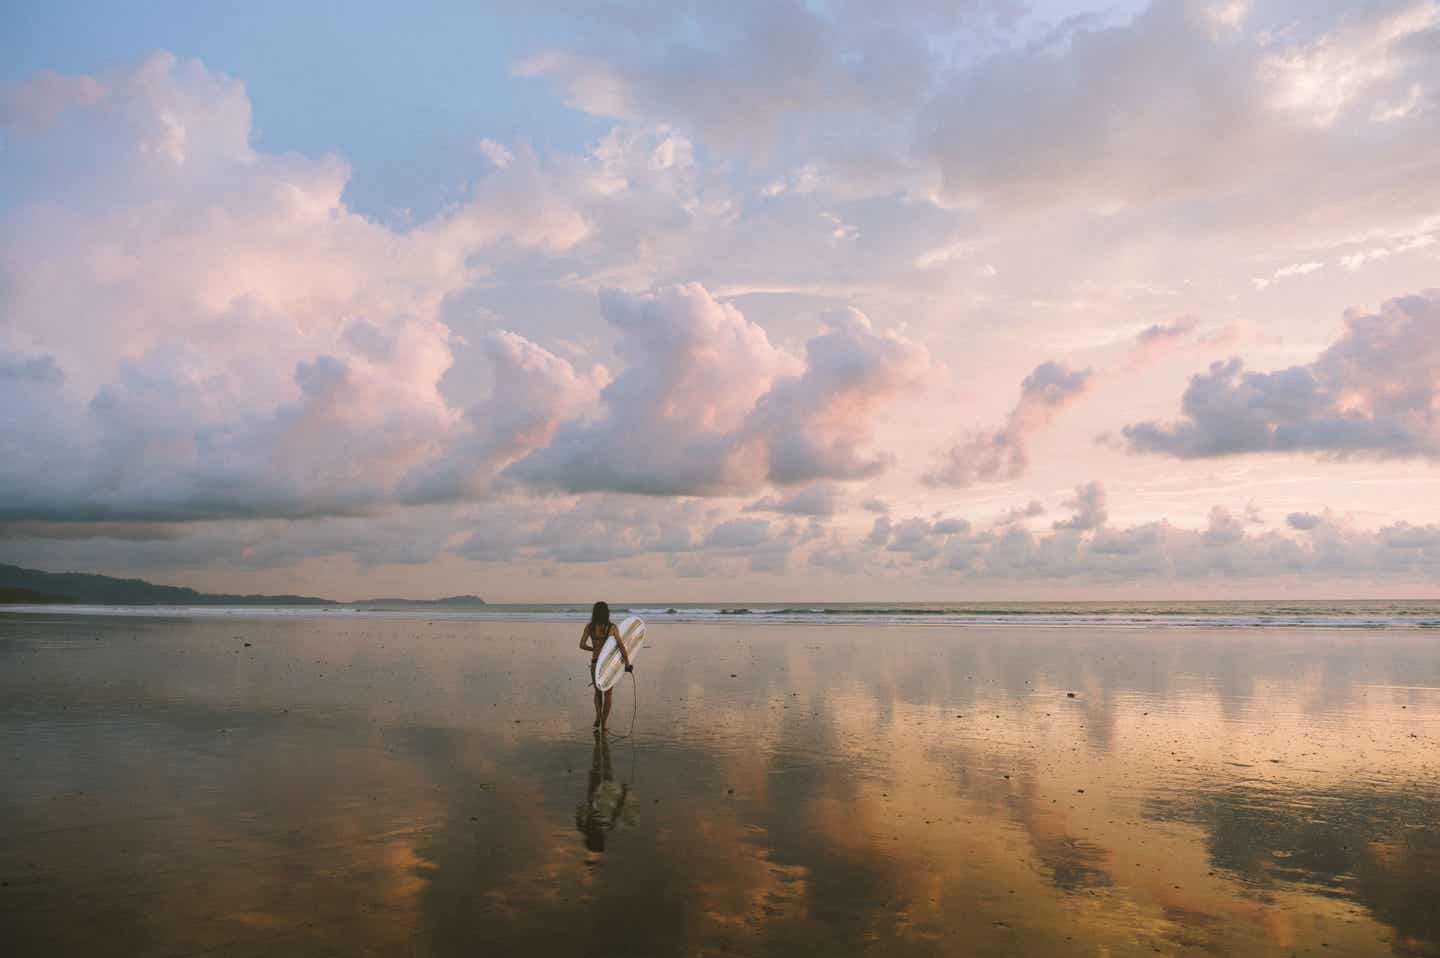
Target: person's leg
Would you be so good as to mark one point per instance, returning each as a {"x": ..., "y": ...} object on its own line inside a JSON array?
[
  {"x": 599, "y": 696},
  {"x": 605, "y": 715}
]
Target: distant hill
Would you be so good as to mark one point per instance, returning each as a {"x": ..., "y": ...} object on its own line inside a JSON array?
[
  {"x": 19, "y": 585},
  {"x": 453, "y": 600},
  {"x": 107, "y": 590},
  {"x": 9, "y": 596}
]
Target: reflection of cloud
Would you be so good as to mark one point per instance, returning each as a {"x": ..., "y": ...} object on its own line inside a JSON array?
[
  {"x": 1074, "y": 864},
  {"x": 909, "y": 786},
  {"x": 1361, "y": 843}
]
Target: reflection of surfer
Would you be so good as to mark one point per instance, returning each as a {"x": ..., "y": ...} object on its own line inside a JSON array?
[
  {"x": 604, "y": 800},
  {"x": 592, "y": 640}
]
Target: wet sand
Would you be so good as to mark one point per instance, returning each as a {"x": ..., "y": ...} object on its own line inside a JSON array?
[{"x": 402, "y": 787}]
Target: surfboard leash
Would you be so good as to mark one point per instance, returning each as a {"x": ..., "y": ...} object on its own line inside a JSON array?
[
  {"x": 634, "y": 707},
  {"x": 634, "y": 700}
]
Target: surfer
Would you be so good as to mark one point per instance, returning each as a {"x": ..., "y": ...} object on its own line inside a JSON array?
[{"x": 592, "y": 640}]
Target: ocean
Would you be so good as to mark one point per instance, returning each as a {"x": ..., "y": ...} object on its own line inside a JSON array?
[{"x": 1353, "y": 613}]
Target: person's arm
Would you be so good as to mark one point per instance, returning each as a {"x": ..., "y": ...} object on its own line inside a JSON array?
[{"x": 585, "y": 640}]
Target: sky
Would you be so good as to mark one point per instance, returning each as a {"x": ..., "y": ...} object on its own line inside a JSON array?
[{"x": 693, "y": 302}]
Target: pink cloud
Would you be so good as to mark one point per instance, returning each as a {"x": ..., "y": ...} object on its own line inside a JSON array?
[
  {"x": 1003, "y": 453},
  {"x": 706, "y": 404},
  {"x": 220, "y": 334},
  {"x": 1373, "y": 393}
]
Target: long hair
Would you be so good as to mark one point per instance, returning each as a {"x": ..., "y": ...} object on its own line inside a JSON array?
[{"x": 600, "y": 621}]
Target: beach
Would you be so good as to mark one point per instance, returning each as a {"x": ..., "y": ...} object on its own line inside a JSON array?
[{"x": 318, "y": 783}]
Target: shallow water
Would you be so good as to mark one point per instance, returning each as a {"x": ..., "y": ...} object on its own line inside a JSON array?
[{"x": 383, "y": 785}]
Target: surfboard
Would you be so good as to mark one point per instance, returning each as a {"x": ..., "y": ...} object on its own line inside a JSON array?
[{"x": 609, "y": 666}]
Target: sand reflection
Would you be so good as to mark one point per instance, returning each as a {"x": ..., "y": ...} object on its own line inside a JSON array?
[{"x": 405, "y": 787}]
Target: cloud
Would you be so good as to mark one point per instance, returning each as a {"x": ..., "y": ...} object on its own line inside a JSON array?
[
  {"x": 1004, "y": 453},
  {"x": 1179, "y": 335},
  {"x": 686, "y": 536},
  {"x": 918, "y": 538},
  {"x": 785, "y": 60},
  {"x": 817, "y": 423},
  {"x": 30, "y": 369},
  {"x": 738, "y": 534},
  {"x": 36, "y": 104},
  {"x": 914, "y": 536},
  {"x": 590, "y": 84},
  {"x": 1372, "y": 393},
  {"x": 1173, "y": 103},
  {"x": 816, "y": 500},
  {"x": 705, "y": 404},
  {"x": 533, "y": 391},
  {"x": 1028, "y": 511},
  {"x": 1153, "y": 71},
  {"x": 1162, "y": 335},
  {"x": 1085, "y": 549},
  {"x": 1089, "y": 505},
  {"x": 672, "y": 421},
  {"x": 1287, "y": 272},
  {"x": 195, "y": 328},
  {"x": 1354, "y": 261},
  {"x": 591, "y": 529}
]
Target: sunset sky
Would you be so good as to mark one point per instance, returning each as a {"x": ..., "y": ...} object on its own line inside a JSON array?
[{"x": 701, "y": 301}]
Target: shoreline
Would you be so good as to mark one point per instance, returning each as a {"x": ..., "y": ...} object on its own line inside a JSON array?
[{"x": 1360, "y": 614}]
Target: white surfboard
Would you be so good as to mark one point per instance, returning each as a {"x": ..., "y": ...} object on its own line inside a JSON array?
[{"x": 609, "y": 666}]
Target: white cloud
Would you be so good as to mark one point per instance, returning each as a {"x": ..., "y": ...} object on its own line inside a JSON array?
[
  {"x": 195, "y": 328},
  {"x": 1361, "y": 257},
  {"x": 498, "y": 155},
  {"x": 1287, "y": 272},
  {"x": 706, "y": 404},
  {"x": 533, "y": 391},
  {"x": 1319, "y": 80}
]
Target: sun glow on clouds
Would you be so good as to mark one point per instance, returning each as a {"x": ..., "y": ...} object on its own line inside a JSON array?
[
  {"x": 287, "y": 359},
  {"x": 735, "y": 328}
]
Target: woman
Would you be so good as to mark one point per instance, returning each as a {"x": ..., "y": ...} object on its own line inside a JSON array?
[{"x": 592, "y": 640}]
